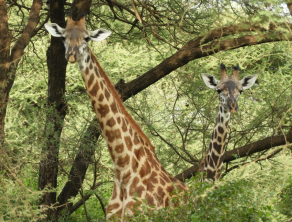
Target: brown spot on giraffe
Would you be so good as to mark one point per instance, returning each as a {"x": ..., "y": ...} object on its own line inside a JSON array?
[
  {"x": 101, "y": 85},
  {"x": 145, "y": 169},
  {"x": 107, "y": 94},
  {"x": 88, "y": 59},
  {"x": 134, "y": 185},
  {"x": 165, "y": 177},
  {"x": 111, "y": 122},
  {"x": 93, "y": 102},
  {"x": 139, "y": 153},
  {"x": 112, "y": 207},
  {"x": 162, "y": 182},
  {"x": 123, "y": 161},
  {"x": 112, "y": 135},
  {"x": 119, "y": 148},
  {"x": 150, "y": 200},
  {"x": 101, "y": 97},
  {"x": 126, "y": 177},
  {"x": 94, "y": 90},
  {"x": 169, "y": 189},
  {"x": 114, "y": 109},
  {"x": 103, "y": 110},
  {"x": 166, "y": 202},
  {"x": 86, "y": 71},
  {"x": 136, "y": 139},
  {"x": 220, "y": 130},
  {"x": 128, "y": 142},
  {"x": 124, "y": 126},
  {"x": 145, "y": 181},
  {"x": 96, "y": 72},
  {"x": 215, "y": 133},
  {"x": 154, "y": 177},
  {"x": 90, "y": 81},
  {"x": 119, "y": 120},
  {"x": 131, "y": 131},
  {"x": 150, "y": 186},
  {"x": 114, "y": 193},
  {"x": 139, "y": 190},
  {"x": 134, "y": 164}
]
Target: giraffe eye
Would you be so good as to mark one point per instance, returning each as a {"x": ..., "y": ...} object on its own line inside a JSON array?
[
  {"x": 87, "y": 39},
  {"x": 218, "y": 91}
]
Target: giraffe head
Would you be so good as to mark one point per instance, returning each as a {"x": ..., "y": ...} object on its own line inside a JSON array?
[
  {"x": 76, "y": 37},
  {"x": 229, "y": 87}
]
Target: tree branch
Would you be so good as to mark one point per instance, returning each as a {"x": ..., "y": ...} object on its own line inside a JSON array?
[
  {"x": 243, "y": 151},
  {"x": 194, "y": 50},
  {"x": 22, "y": 42}
]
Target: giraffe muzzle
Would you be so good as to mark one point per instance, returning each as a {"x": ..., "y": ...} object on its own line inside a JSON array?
[
  {"x": 71, "y": 59},
  {"x": 72, "y": 55},
  {"x": 232, "y": 106}
]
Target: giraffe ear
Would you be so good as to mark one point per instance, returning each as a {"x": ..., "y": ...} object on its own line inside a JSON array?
[
  {"x": 99, "y": 34},
  {"x": 210, "y": 80},
  {"x": 54, "y": 29},
  {"x": 248, "y": 81}
]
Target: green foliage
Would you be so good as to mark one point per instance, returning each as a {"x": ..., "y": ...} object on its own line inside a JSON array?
[
  {"x": 285, "y": 202},
  {"x": 177, "y": 113},
  {"x": 231, "y": 200}
]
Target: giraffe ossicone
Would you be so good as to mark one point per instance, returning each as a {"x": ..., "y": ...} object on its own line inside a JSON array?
[
  {"x": 229, "y": 89},
  {"x": 138, "y": 173}
]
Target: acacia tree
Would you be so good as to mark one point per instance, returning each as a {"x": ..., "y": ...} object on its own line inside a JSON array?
[
  {"x": 11, "y": 50},
  {"x": 189, "y": 33}
]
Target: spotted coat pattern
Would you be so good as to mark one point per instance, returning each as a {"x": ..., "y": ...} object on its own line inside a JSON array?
[
  {"x": 214, "y": 159},
  {"x": 229, "y": 89},
  {"x": 138, "y": 174}
]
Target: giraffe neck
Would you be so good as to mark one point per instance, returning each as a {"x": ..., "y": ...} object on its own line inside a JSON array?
[
  {"x": 214, "y": 159},
  {"x": 138, "y": 174},
  {"x": 118, "y": 128}
]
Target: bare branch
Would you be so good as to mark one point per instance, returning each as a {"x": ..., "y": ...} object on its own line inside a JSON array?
[
  {"x": 195, "y": 50},
  {"x": 22, "y": 42},
  {"x": 243, "y": 151}
]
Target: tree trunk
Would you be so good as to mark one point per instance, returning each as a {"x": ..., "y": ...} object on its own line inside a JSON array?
[
  {"x": 5, "y": 41},
  {"x": 56, "y": 111},
  {"x": 80, "y": 165}
]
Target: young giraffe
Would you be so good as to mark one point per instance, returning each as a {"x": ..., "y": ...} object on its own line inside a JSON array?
[
  {"x": 229, "y": 88},
  {"x": 138, "y": 173}
]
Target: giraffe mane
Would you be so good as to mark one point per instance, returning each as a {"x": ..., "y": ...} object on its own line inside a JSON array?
[{"x": 119, "y": 101}]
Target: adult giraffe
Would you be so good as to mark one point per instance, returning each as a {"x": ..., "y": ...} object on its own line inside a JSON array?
[
  {"x": 229, "y": 88},
  {"x": 138, "y": 173}
]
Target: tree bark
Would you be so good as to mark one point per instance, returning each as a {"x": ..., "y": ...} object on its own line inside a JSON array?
[
  {"x": 80, "y": 8},
  {"x": 5, "y": 41},
  {"x": 56, "y": 112}
]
